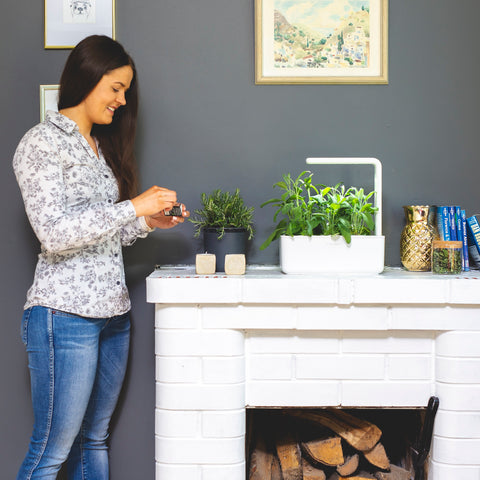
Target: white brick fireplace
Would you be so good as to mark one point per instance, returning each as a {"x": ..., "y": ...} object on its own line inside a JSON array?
[{"x": 267, "y": 339}]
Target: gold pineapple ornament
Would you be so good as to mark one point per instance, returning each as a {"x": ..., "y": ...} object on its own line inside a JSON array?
[{"x": 417, "y": 236}]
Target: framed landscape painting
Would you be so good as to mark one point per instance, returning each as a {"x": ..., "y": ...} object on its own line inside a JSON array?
[
  {"x": 321, "y": 41},
  {"x": 69, "y": 21}
]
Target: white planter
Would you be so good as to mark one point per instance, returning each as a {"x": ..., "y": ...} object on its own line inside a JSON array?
[{"x": 332, "y": 255}]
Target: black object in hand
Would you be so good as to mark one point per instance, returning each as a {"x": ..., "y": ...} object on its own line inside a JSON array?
[{"x": 175, "y": 211}]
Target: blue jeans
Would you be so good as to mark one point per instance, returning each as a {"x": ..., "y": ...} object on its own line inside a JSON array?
[{"x": 77, "y": 366}]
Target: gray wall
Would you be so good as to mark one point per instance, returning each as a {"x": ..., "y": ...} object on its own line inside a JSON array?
[{"x": 204, "y": 124}]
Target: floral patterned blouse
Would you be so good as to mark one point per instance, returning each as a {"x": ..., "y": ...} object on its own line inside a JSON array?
[{"x": 70, "y": 197}]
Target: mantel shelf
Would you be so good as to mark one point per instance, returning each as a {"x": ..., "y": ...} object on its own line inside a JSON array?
[{"x": 267, "y": 285}]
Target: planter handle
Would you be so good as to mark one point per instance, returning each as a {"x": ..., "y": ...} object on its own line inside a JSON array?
[{"x": 377, "y": 180}]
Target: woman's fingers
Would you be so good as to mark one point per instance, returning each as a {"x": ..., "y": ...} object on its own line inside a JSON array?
[{"x": 154, "y": 200}]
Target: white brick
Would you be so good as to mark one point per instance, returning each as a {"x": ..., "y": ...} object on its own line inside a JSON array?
[
  {"x": 412, "y": 342},
  {"x": 457, "y": 424},
  {"x": 177, "y": 472},
  {"x": 210, "y": 289},
  {"x": 200, "y": 451},
  {"x": 457, "y": 370},
  {"x": 314, "y": 289},
  {"x": 352, "y": 317},
  {"x": 178, "y": 369},
  {"x": 224, "y": 472},
  {"x": 458, "y": 397},
  {"x": 266, "y": 317},
  {"x": 420, "y": 317},
  {"x": 441, "y": 471},
  {"x": 408, "y": 367},
  {"x": 366, "y": 342},
  {"x": 420, "y": 313},
  {"x": 171, "y": 396},
  {"x": 251, "y": 317},
  {"x": 456, "y": 451},
  {"x": 386, "y": 394},
  {"x": 270, "y": 367},
  {"x": 459, "y": 344},
  {"x": 293, "y": 342},
  {"x": 176, "y": 317},
  {"x": 173, "y": 423},
  {"x": 434, "y": 318},
  {"x": 198, "y": 343},
  {"x": 337, "y": 367},
  {"x": 397, "y": 291},
  {"x": 317, "y": 342},
  {"x": 223, "y": 369},
  {"x": 293, "y": 394},
  {"x": 270, "y": 342},
  {"x": 386, "y": 342},
  {"x": 223, "y": 424},
  {"x": 220, "y": 316},
  {"x": 466, "y": 292}
]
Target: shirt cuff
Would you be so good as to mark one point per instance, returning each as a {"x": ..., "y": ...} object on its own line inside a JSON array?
[{"x": 144, "y": 225}]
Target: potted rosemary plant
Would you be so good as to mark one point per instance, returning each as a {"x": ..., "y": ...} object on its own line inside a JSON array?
[
  {"x": 325, "y": 229},
  {"x": 226, "y": 223}
]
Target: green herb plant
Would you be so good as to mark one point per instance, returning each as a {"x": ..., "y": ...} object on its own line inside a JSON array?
[
  {"x": 308, "y": 209},
  {"x": 221, "y": 210},
  {"x": 447, "y": 260}
]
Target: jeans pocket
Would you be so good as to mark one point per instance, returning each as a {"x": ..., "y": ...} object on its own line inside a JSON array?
[{"x": 24, "y": 330}]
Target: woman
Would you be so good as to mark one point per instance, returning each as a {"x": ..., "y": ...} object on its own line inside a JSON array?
[{"x": 76, "y": 173}]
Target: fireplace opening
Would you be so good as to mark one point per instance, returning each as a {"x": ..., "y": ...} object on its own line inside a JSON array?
[{"x": 338, "y": 443}]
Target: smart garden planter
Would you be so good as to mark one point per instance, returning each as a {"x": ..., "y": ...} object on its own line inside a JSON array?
[{"x": 332, "y": 254}]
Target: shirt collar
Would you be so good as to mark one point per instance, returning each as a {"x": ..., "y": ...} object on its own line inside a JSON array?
[{"x": 61, "y": 121}]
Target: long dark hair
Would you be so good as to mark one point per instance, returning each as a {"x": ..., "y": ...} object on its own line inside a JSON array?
[{"x": 88, "y": 62}]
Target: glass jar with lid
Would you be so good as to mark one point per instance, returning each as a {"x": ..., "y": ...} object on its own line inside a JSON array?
[{"x": 447, "y": 256}]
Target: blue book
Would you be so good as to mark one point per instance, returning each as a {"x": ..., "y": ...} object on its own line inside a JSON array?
[
  {"x": 458, "y": 222},
  {"x": 473, "y": 252},
  {"x": 451, "y": 220},
  {"x": 473, "y": 236},
  {"x": 445, "y": 229},
  {"x": 463, "y": 221}
]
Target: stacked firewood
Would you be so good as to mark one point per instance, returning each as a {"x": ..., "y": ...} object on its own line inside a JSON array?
[{"x": 329, "y": 444}]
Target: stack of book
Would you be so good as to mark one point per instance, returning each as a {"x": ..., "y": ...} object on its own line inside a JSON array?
[{"x": 453, "y": 225}]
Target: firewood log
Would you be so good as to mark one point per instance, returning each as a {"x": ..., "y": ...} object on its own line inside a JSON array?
[
  {"x": 359, "y": 433},
  {"x": 276, "y": 469},
  {"x": 288, "y": 453},
  {"x": 349, "y": 467},
  {"x": 260, "y": 460},
  {"x": 312, "y": 473},
  {"x": 327, "y": 451},
  {"x": 395, "y": 473},
  {"x": 378, "y": 457},
  {"x": 357, "y": 476}
]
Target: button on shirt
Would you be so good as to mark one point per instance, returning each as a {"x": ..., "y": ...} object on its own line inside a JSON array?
[{"x": 70, "y": 197}]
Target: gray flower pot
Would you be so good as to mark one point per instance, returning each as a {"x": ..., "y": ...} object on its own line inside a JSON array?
[{"x": 234, "y": 241}]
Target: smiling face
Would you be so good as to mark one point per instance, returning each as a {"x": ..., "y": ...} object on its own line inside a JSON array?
[{"x": 108, "y": 95}]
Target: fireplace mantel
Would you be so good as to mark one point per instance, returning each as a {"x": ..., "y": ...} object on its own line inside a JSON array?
[{"x": 224, "y": 343}]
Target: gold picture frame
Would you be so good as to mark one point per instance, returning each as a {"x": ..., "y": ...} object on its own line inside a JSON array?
[
  {"x": 48, "y": 99},
  {"x": 321, "y": 42},
  {"x": 69, "y": 21}
]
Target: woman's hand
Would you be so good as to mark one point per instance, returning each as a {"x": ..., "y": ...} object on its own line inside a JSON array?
[
  {"x": 153, "y": 201},
  {"x": 160, "y": 220}
]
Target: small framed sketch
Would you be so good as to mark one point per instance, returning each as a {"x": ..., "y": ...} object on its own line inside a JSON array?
[
  {"x": 321, "y": 41},
  {"x": 69, "y": 21},
  {"x": 48, "y": 99}
]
